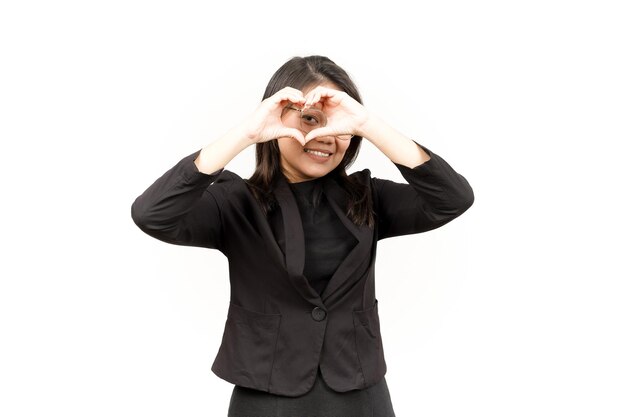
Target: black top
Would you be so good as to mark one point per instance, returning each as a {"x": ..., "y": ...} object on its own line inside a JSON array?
[{"x": 327, "y": 241}]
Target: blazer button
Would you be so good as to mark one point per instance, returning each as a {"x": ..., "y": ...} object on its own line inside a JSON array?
[{"x": 318, "y": 314}]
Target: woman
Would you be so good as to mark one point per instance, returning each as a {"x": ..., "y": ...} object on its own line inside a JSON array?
[{"x": 302, "y": 335}]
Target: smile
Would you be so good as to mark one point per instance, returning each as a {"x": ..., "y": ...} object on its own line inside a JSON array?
[{"x": 317, "y": 153}]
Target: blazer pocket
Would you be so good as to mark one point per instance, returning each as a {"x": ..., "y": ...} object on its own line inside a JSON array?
[
  {"x": 246, "y": 354},
  {"x": 369, "y": 344}
]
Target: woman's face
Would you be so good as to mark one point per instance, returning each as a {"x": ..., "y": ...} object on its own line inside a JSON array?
[{"x": 296, "y": 161}]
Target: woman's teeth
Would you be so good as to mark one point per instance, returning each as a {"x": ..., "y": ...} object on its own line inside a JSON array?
[{"x": 317, "y": 152}]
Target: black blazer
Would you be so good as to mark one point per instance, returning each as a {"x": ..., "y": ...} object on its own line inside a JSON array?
[{"x": 278, "y": 329}]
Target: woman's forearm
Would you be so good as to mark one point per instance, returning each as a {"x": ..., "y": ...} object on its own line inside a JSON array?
[
  {"x": 220, "y": 152},
  {"x": 399, "y": 148}
]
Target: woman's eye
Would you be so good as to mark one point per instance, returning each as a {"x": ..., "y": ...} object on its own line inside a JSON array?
[{"x": 310, "y": 120}]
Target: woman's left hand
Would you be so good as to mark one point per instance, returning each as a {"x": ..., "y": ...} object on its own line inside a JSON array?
[{"x": 345, "y": 115}]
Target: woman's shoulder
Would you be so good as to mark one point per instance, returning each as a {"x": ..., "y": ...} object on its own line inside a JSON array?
[
  {"x": 365, "y": 172},
  {"x": 363, "y": 176}
]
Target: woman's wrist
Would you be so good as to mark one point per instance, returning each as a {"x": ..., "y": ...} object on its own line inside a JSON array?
[
  {"x": 396, "y": 146},
  {"x": 370, "y": 127},
  {"x": 219, "y": 153}
]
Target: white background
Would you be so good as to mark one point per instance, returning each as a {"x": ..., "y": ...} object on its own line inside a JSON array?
[{"x": 514, "y": 309}]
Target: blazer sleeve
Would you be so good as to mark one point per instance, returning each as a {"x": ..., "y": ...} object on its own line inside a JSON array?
[
  {"x": 435, "y": 195},
  {"x": 183, "y": 206}
]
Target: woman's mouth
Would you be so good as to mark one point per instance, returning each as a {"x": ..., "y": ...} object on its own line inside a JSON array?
[{"x": 318, "y": 153}]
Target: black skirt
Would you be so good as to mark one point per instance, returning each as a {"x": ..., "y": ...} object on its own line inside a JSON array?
[{"x": 320, "y": 401}]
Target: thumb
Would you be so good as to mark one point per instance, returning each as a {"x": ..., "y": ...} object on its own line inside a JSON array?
[
  {"x": 292, "y": 133},
  {"x": 319, "y": 132}
]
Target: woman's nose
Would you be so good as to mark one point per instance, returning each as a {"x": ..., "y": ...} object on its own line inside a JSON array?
[{"x": 324, "y": 139}]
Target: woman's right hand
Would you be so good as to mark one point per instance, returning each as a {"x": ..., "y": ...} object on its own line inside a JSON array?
[{"x": 265, "y": 123}]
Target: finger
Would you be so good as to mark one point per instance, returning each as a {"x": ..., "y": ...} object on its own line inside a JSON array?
[
  {"x": 292, "y": 133},
  {"x": 319, "y": 93},
  {"x": 290, "y": 90},
  {"x": 310, "y": 98},
  {"x": 314, "y": 96},
  {"x": 335, "y": 98},
  {"x": 288, "y": 94},
  {"x": 293, "y": 98},
  {"x": 317, "y": 133},
  {"x": 320, "y": 89},
  {"x": 313, "y": 100}
]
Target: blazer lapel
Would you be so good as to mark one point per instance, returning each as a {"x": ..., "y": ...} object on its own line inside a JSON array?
[{"x": 294, "y": 241}]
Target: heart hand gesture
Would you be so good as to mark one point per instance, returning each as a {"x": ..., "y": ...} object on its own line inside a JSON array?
[{"x": 345, "y": 115}]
